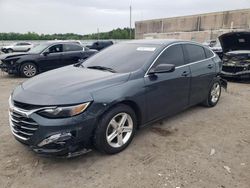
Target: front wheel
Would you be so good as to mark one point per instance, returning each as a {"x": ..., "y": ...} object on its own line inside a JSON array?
[
  {"x": 115, "y": 130},
  {"x": 28, "y": 70},
  {"x": 214, "y": 94}
]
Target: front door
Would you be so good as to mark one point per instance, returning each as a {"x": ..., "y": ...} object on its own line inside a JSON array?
[
  {"x": 51, "y": 59},
  {"x": 168, "y": 93}
]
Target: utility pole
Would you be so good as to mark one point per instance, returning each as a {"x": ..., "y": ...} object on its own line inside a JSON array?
[
  {"x": 130, "y": 21},
  {"x": 97, "y": 33}
]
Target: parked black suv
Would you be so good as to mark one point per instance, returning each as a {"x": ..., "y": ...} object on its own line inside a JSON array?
[
  {"x": 44, "y": 57},
  {"x": 100, "y": 45},
  {"x": 104, "y": 101}
]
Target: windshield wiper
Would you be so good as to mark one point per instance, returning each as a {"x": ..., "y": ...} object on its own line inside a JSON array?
[
  {"x": 102, "y": 68},
  {"x": 79, "y": 65}
]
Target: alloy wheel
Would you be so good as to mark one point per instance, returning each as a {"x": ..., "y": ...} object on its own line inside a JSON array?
[
  {"x": 215, "y": 92},
  {"x": 119, "y": 130},
  {"x": 29, "y": 70}
]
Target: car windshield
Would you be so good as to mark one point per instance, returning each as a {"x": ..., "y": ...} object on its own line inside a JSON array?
[
  {"x": 123, "y": 57},
  {"x": 39, "y": 48}
]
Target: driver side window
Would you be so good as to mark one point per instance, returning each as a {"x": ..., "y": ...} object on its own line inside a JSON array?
[
  {"x": 56, "y": 48},
  {"x": 172, "y": 55}
]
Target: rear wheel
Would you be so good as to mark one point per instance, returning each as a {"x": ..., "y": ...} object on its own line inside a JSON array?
[
  {"x": 115, "y": 130},
  {"x": 28, "y": 70},
  {"x": 214, "y": 94}
]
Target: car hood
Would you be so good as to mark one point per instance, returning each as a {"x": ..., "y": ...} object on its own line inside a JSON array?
[
  {"x": 67, "y": 85},
  {"x": 13, "y": 55},
  {"x": 7, "y": 46},
  {"x": 235, "y": 41}
]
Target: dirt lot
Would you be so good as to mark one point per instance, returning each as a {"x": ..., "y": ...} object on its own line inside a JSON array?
[{"x": 200, "y": 147}]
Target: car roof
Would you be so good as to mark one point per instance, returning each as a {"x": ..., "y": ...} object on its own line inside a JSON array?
[
  {"x": 62, "y": 42},
  {"x": 162, "y": 42}
]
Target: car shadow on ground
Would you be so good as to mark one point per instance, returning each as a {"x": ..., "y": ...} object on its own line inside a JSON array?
[{"x": 5, "y": 75}]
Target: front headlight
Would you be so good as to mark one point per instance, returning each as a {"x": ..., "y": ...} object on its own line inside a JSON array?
[{"x": 64, "y": 111}]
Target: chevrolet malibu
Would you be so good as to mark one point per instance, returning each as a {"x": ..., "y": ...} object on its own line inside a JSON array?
[{"x": 103, "y": 101}]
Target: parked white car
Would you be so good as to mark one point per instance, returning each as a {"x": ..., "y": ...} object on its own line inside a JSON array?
[{"x": 17, "y": 47}]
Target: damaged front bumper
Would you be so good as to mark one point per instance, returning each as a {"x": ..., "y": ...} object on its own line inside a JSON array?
[
  {"x": 235, "y": 68},
  {"x": 240, "y": 74},
  {"x": 66, "y": 137},
  {"x": 10, "y": 69}
]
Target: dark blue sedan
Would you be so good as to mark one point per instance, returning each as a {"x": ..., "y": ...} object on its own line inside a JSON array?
[{"x": 103, "y": 101}]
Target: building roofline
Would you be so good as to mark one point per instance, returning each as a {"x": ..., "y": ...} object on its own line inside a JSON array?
[{"x": 203, "y": 14}]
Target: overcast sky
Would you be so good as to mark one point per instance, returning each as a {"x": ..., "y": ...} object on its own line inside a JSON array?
[{"x": 85, "y": 16}]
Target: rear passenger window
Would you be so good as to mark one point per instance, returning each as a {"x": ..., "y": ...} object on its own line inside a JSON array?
[
  {"x": 195, "y": 52},
  {"x": 209, "y": 53},
  {"x": 71, "y": 47},
  {"x": 172, "y": 55}
]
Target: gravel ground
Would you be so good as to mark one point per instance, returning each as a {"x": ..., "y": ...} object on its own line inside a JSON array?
[{"x": 200, "y": 147}]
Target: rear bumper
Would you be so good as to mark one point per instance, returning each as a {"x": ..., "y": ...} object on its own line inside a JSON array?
[{"x": 223, "y": 83}]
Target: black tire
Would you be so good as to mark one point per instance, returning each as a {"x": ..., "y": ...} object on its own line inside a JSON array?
[
  {"x": 10, "y": 51},
  {"x": 28, "y": 70},
  {"x": 101, "y": 134},
  {"x": 210, "y": 101}
]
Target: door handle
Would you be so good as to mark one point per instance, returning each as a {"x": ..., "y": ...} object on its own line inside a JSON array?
[
  {"x": 210, "y": 66},
  {"x": 185, "y": 73}
]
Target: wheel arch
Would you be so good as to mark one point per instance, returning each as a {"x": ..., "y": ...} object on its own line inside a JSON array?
[
  {"x": 28, "y": 61},
  {"x": 222, "y": 81},
  {"x": 133, "y": 105}
]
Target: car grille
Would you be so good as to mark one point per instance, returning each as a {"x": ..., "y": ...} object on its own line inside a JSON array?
[{"x": 22, "y": 126}]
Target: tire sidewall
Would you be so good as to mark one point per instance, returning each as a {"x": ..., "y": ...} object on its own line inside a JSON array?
[
  {"x": 210, "y": 102},
  {"x": 101, "y": 142},
  {"x": 22, "y": 67}
]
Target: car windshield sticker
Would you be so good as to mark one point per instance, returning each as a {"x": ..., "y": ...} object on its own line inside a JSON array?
[{"x": 146, "y": 49}]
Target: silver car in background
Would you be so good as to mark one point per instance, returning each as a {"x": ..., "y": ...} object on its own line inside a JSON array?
[{"x": 17, "y": 47}]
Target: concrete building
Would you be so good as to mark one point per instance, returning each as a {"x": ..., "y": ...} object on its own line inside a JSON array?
[{"x": 199, "y": 28}]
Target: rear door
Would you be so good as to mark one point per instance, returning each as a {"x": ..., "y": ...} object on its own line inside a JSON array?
[
  {"x": 202, "y": 70},
  {"x": 72, "y": 53},
  {"x": 18, "y": 47},
  {"x": 26, "y": 46},
  {"x": 168, "y": 93}
]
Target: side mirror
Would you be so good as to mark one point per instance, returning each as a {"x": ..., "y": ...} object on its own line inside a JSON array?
[
  {"x": 162, "y": 68},
  {"x": 45, "y": 53}
]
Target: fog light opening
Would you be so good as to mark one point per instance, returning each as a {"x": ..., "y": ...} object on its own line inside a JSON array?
[{"x": 55, "y": 138}]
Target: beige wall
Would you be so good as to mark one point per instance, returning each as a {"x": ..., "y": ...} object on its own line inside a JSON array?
[{"x": 197, "y": 27}]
